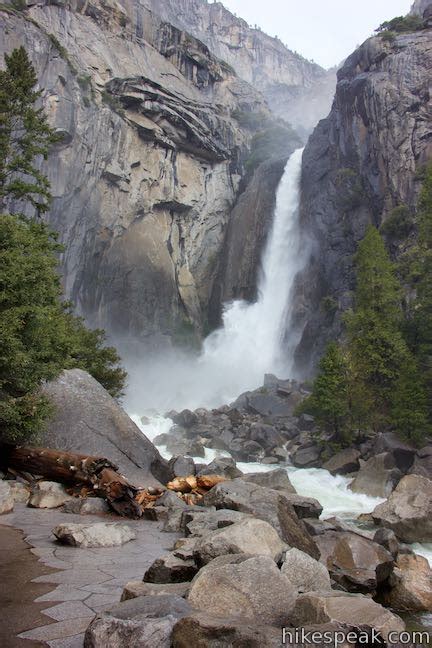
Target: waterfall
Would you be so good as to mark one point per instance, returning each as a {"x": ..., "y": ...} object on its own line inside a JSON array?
[{"x": 235, "y": 358}]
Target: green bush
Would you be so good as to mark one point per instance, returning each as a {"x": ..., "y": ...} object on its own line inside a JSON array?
[
  {"x": 401, "y": 24},
  {"x": 398, "y": 224},
  {"x": 113, "y": 102}
]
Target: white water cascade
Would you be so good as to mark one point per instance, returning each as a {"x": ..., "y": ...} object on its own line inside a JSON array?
[{"x": 235, "y": 358}]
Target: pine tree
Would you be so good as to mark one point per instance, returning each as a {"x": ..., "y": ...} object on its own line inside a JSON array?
[
  {"x": 25, "y": 136},
  {"x": 329, "y": 402},
  {"x": 39, "y": 335},
  {"x": 409, "y": 404},
  {"x": 376, "y": 344}
]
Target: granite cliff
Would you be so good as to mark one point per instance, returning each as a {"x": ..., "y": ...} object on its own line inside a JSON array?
[
  {"x": 157, "y": 130},
  {"x": 360, "y": 164}
]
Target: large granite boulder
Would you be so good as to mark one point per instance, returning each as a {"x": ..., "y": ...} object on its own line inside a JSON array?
[
  {"x": 94, "y": 535},
  {"x": 378, "y": 476},
  {"x": 6, "y": 498},
  {"x": 354, "y": 562},
  {"x": 144, "y": 621},
  {"x": 201, "y": 629},
  {"x": 243, "y": 586},
  {"x": 250, "y": 536},
  {"x": 351, "y": 610},
  {"x": 422, "y": 463},
  {"x": 89, "y": 421},
  {"x": 304, "y": 572},
  {"x": 171, "y": 568},
  {"x": 411, "y": 585},
  {"x": 266, "y": 504},
  {"x": 408, "y": 510},
  {"x": 47, "y": 494},
  {"x": 134, "y": 589},
  {"x": 201, "y": 521},
  {"x": 277, "y": 479},
  {"x": 344, "y": 462}
]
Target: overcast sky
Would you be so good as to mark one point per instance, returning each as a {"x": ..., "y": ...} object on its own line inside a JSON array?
[{"x": 323, "y": 30}]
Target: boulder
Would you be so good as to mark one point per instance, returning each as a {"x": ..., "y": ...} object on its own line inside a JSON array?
[
  {"x": 402, "y": 452},
  {"x": 202, "y": 523},
  {"x": 387, "y": 538},
  {"x": 186, "y": 418},
  {"x": 306, "y": 457},
  {"x": 250, "y": 536},
  {"x": 305, "y": 573},
  {"x": 252, "y": 588},
  {"x": 6, "y": 498},
  {"x": 422, "y": 463},
  {"x": 377, "y": 477},
  {"x": 87, "y": 506},
  {"x": 169, "y": 568},
  {"x": 201, "y": 629},
  {"x": 246, "y": 450},
  {"x": 181, "y": 466},
  {"x": 351, "y": 610},
  {"x": 305, "y": 507},
  {"x": 100, "y": 534},
  {"x": 344, "y": 462},
  {"x": 223, "y": 466},
  {"x": 46, "y": 494},
  {"x": 266, "y": 435},
  {"x": 277, "y": 479},
  {"x": 411, "y": 585},
  {"x": 408, "y": 510},
  {"x": 145, "y": 621},
  {"x": 89, "y": 421},
  {"x": 266, "y": 504},
  {"x": 20, "y": 492},
  {"x": 356, "y": 563},
  {"x": 134, "y": 589}
]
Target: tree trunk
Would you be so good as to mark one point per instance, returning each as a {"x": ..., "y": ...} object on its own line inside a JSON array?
[{"x": 71, "y": 468}]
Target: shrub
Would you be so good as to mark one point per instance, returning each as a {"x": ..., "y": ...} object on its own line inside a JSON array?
[{"x": 398, "y": 223}]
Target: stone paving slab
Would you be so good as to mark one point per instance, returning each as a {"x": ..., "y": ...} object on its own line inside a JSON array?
[{"x": 87, "y": 580}]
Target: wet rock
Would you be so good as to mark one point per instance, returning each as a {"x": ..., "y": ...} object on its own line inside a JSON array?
[
  {"x": 351, "y": 610},
  {"x": 181, "y": 466},
  {"x": 354, "y": 562},
  {"x": 408, "y": 510},
  {"x": 87, "y": 506},
  {"x": 305, "y": 573},
  {"x": 145, "y": 621},
  {"x": 171, "y": 500},
  {"x": 134, "y": 589},
  {"x": 186, "y": 418},
  {"x": 223, "y": 466},
  {"x": 6, "y": 498},
  {"x": 422, "y": 463},
  {"x": 402, "y": 452},
  {"x": 266, "y": 504},
  {"x": 387, "y": 538},
  {"x": 318, "y": 527},
  {"x": 169, "y": 568},
  {"x": 277, "y": 479},
  {"x": 344, "y": 462},
  {"x": 305, "y": 507},
  {"x": 306, "y": 457},
  {"x": 246, "y": 450},
  {"x": 266, "y": 435},
  {"x": 249, "y": 536},
  {"x": 100, "y": 534},
  {"x": 20, "y": 492},
  {"x": 251, "y": 589},
  {"x": 203, "y": 629},
  {"x": 46, "y": 494},
  {"x": 411, "y": 585},
  {"x": 377, "y": 477}
]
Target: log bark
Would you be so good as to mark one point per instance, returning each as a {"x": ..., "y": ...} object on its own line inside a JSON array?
[{"x": 70, "y": 468}]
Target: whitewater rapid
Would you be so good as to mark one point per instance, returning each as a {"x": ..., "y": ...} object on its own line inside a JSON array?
[{"x": 235, "y": 357}]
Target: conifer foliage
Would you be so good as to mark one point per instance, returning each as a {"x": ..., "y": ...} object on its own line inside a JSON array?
[{"x": 39, "y": 335}]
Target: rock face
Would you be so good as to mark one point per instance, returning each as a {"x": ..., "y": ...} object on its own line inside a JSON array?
[
  {"x": 377, "y": 476},
  {"x": 94, "y": 535},
  {"x": 87, "y": 420},
  {"x": 408, "y": 510},
  {"x": 148, "y": 203},
  {"x": 360, "y": 164},
  {"x": 251, "y": 588}
]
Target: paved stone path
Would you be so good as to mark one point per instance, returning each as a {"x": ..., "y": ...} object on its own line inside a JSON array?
[{"x": 89, "y": 580}]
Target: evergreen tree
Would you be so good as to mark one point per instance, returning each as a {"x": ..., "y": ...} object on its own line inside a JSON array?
[
  {"x": 376, "y": 344},
  {"x": 330, "y": 401},
  {"x": 25, "y": 136},
  {"x": 409, "y": 404},
  {"x": 39, "y": 335}
]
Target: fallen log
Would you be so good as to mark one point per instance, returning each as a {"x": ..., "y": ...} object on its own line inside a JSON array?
[{"x": 75, "y": 469}]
